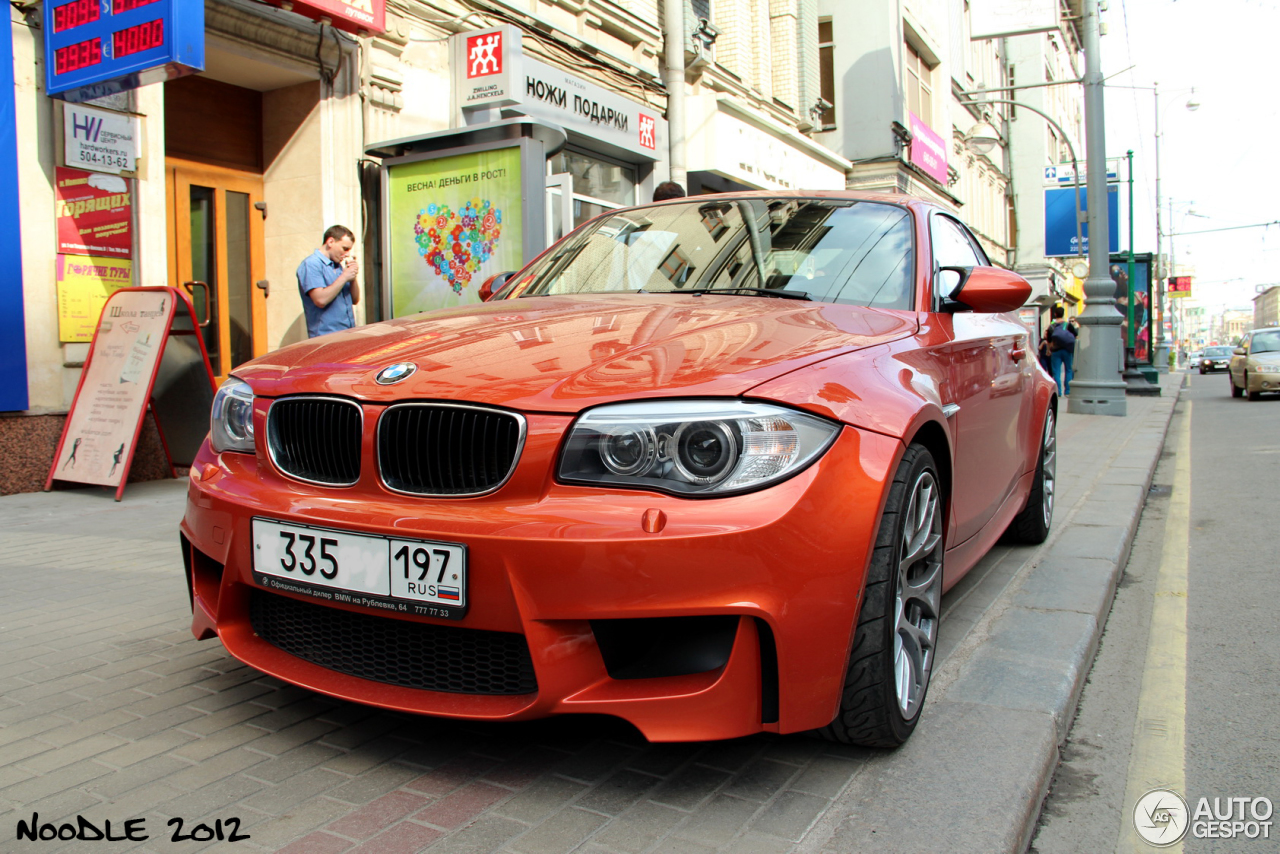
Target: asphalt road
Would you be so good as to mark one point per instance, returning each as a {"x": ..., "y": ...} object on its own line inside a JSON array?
[{"x": 1190, "y": 648}]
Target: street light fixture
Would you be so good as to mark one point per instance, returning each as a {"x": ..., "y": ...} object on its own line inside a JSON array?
[{"x": 982, "y": 139}]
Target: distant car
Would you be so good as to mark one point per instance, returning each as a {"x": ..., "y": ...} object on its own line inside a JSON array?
[
  {"x": 1214, "y": 359},
  {"x": 1255, "y": 364},
  {"x": 1193, "y": 358},
  {"x": 706, "y": 465}
]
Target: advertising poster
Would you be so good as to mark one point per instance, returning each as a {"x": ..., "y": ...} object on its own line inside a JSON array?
[
  {"x": 84, "y": 283},
  {"x": 103, "y": 424},
  {"x": 1119, "y": 269},
  {"x": 452, "y": 223},
  {"x": 94, "y": 214}
]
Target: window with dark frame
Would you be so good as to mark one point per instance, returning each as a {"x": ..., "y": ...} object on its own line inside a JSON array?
[
  {"x": 826, "y": 71},
  {"x": 919, "y": 85}
]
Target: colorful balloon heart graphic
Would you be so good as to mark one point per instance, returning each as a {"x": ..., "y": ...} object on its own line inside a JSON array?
[{"x": 454, "y": 245}]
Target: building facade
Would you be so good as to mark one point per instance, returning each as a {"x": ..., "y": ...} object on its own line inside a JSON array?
[
  {"x": 898, "y": 77},
  {"x": 241, "y": 167},
  {"x": 1266, "y": 307}
]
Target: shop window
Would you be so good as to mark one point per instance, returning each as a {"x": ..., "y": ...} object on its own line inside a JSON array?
[
  {"x": 827, "y": 72},
  {"x": 599, "y": 184}
]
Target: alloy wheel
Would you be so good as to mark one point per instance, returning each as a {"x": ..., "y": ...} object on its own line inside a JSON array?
[
  {"x": 919, "y": 594},
  {"x": 1049, "y": 466}
]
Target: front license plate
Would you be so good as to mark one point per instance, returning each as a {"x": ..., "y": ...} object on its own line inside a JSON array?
[{"x": 421, "y": 577}]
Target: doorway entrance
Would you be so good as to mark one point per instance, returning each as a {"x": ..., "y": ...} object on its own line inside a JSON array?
[{"x": 217, "y": 255}]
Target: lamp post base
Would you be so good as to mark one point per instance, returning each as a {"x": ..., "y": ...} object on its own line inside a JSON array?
[
  {"x": 1160, "y": 360},
  {"x": 1090, "y": 397},
  {"x": 1136, "y": 383}
]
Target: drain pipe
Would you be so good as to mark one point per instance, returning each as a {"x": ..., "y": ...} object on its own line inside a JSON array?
[{"x": 673, "y": 78}]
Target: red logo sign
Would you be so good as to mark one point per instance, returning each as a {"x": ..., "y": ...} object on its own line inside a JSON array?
[
  {"x": 1179, "y": 284},
  {"x": 484, "y": 54},
  {"x": 648, "y": 131}
]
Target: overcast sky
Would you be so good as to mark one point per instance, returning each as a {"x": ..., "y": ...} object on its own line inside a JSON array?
[{"x": 1216, "y": 161}]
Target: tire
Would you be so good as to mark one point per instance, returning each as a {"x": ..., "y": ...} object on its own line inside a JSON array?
[
  {"x": 1252, "y": 395},
  {"x": 1236, "y": 391},
  {"x": 896, "y": 637},
  {"x": 1032, "y": 524},
  {"x": 1202, "y": 372}
]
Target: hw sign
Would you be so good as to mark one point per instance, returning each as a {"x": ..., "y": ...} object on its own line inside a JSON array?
[
  {"x": 99, "y": 140},
  {"x": 1179, "y": 286}
]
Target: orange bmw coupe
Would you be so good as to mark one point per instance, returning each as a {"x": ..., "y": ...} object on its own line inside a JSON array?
[{"x": 707, "y": 466}]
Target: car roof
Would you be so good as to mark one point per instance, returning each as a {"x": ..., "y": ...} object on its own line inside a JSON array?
[{"x": 841, "y": 195}]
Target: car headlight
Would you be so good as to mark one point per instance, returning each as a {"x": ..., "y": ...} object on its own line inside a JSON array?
[
  {"x": 1267, "y": 369},
  {"x": 231, "y": 423},
  {"x": 693, "y": 447}
]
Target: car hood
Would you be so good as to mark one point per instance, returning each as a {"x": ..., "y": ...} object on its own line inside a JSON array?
[{"x": 566, "y": 353}]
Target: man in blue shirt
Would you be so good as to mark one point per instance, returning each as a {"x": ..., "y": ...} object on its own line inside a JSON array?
[{"x": 327, "y": 282}]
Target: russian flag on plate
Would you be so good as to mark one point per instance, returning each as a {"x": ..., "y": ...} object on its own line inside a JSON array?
[{"x": 451, "y": 593}]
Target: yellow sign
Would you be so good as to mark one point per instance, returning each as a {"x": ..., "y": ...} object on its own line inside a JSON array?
[{"x": 84, "y": 283}]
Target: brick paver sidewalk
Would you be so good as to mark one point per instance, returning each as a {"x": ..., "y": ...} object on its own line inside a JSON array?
[{"x": 110, "y": 710}]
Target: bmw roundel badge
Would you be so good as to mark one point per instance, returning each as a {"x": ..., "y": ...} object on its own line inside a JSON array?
[{"x": 395, "y": 373}]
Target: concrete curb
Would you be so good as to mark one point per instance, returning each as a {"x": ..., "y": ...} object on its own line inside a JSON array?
[{"x": 974, "y": 775}]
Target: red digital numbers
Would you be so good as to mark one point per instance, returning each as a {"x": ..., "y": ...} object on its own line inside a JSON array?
[
  {"x": 75, "y": 13},
  {"x": 73, "y": 57},
  {"x": 137, "y": 39},
  {"x": 119, "y": 6}
]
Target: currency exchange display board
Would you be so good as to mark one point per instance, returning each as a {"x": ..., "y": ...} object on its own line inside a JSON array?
[{"x": 97, "y": 47}]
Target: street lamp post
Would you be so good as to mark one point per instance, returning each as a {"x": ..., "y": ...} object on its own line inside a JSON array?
[{"x": 1097, "y": 388}]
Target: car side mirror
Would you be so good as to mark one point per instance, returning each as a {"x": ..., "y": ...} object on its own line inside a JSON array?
[
  {"x": 989, "y": 290},
  {"x": 1239, "y": 351},
  {"x": 494, "y": 283}
]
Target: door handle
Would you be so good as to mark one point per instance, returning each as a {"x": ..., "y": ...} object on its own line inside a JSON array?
[
  {"x": 1018, "y": 353},
  {"x": 191, "y": 289},
  {"x": 265, "y": 286}
]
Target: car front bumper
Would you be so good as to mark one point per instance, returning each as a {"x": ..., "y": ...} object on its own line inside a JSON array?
[{"x": 545, "y": 559}]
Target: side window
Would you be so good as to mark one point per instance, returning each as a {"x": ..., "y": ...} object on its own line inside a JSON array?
[
  {"x": 1244, "y": 342},
  {"x": 951, "y": 248}
]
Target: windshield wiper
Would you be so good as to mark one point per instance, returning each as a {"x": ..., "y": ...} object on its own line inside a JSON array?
[{"x": 764, "y": 292}]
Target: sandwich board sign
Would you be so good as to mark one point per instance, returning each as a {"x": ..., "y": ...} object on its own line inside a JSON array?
[{"x": 118, "y": 385}]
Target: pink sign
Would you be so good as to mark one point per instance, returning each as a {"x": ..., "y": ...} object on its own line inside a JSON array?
[{"x": 928, "y": 150}]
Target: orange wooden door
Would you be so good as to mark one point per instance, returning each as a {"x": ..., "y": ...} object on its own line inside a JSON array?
[{"x": 217, "y": 255}]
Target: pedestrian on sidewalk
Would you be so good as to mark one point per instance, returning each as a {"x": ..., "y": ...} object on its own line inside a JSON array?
[
  {"x": 327, "y": 283},
  {"x": 1062, "y": 349}
]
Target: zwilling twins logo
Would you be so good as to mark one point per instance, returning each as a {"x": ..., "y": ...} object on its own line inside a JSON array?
[{"x": 484, "y": 55}]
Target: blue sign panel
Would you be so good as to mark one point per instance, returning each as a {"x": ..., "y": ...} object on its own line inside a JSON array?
[
  {"x": 1060, "y": 221},
  {"x": 98, "y": 47},
  {"x": 13, "y": 335}
]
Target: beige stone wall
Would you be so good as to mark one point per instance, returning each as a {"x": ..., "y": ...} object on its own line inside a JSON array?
[
  {"x": 34, "y": 119},
  {"x": 292, "y": 189}
]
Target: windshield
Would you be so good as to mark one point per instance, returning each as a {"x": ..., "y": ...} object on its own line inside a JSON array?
[
  {"x": 1217, "y": 351},
  {"x": 830, "y": 250},
  {"x": 1265, "y": 342}
]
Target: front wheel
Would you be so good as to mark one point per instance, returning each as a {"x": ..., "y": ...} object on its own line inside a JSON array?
[
  {"x": 1236, "y": 391},
  {"x": 1253, "y": 395},
  {"x": 897, "y": 633}
]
